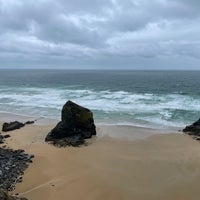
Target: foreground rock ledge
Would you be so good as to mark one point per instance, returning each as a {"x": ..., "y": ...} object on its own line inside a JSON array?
[
  {"x": 76, "y": 125},
  {"x": 12, "y": 166},
  {"x": 13, "y": 163}
]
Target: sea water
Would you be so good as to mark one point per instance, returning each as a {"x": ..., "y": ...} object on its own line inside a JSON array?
[{"x": 143, "y": 98}]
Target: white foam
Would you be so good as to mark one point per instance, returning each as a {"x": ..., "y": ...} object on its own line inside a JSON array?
[{"x": 155, "y": 108}]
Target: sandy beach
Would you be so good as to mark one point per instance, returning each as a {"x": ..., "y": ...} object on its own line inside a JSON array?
[{"x": 152, "y": 166}]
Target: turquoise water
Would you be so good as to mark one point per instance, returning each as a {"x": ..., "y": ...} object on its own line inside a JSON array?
[{"x": 146, "y": 98}]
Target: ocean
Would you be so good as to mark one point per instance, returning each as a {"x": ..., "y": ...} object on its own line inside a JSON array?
[{"x": 140, "y": 98}]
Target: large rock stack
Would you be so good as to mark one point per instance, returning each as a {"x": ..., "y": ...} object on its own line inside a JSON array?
[{"x": 76, "y": 125}]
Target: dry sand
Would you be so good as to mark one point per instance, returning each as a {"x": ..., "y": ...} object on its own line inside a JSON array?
[{"x": 142, "y": 166}]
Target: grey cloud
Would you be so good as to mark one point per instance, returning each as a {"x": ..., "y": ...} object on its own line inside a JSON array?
[
  {"x": 96, "y": 7},
  {"x": 62, "y": 29},
  {"x": 97, "y": 31}
]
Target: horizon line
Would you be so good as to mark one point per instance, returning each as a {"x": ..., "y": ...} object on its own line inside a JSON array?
[{"x": 89, "y": 69}]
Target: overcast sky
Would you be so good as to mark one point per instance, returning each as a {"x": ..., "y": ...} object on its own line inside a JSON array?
[{"x": 100, "y": 34}]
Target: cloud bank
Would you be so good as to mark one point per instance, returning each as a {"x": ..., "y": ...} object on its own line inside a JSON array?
[{"x": 134, "y": 34}]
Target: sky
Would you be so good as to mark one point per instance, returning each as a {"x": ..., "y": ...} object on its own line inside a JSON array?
[{"x": 100, "y": 34}]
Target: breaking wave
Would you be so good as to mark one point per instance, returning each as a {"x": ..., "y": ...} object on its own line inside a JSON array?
[{"x": 108, "y": 106}]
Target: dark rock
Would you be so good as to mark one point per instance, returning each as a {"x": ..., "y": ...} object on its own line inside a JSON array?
[
  {"x": 4, "y": 195},
  {"x": 12, "y": 166},
  {"x": 15, "y": 125},
  {"x": 29, "y": 122},
  {"x": 74, "y": 141},
  {"x": 1, "y": 139},
  {"x": 6, "y": 136},
  {"x": 193, "y": 129},
  {"x": 12, "y": 126},
  {"x": 76, "y": 125}
]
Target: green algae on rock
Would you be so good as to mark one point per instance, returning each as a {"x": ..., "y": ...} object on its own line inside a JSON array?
[{"x": 76, "y": 125}]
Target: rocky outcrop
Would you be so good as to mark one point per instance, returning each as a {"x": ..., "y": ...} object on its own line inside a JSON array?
[
  {"x": 193, "y": 130},
  {"x": 76, "y": 125},
  {"x": 12, "y": 166},
  {"x": 5, "y": 196},
  {"x": 14, "y": 125},
  {"x": 11, "y": 126},
  {"x": 29, "y": 122}
]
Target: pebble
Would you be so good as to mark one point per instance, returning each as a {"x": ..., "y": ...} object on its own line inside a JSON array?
[{"x": 12, "y": 166}]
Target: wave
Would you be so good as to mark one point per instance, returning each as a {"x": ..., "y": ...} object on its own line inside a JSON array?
[{"x": 122, "y": 106}]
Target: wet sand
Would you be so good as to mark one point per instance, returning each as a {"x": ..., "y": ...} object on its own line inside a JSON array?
[{"x": 122, "y": 162}]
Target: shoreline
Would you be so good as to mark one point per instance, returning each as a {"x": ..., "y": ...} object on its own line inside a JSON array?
[
  {"x": 151, "y": 165},
  {"x": 118, "y": 131},
  {"x": 42, "y": 120},
  {"x": 121, "y": 163},
  {"x": 7, "y": 117}
]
